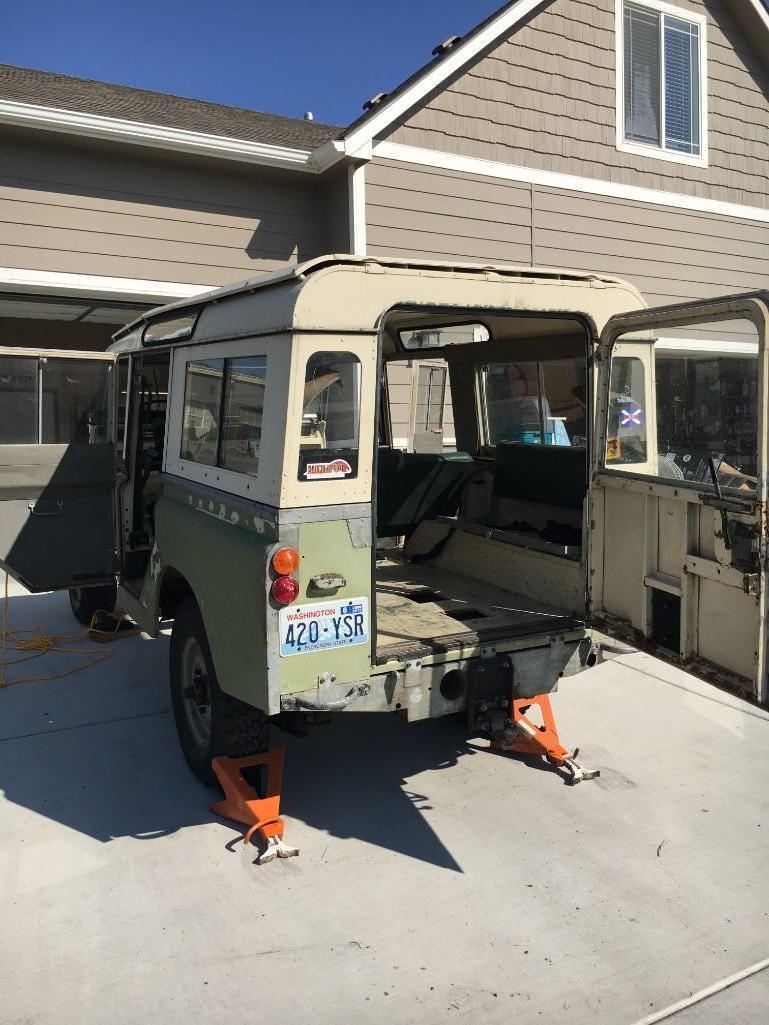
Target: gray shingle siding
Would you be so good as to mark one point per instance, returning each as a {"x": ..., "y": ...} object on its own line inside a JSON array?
[{"x": 545, "y": 98}]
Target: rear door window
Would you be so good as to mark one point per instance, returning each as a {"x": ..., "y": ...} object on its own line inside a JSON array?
[{"x": 328, "y": 446}]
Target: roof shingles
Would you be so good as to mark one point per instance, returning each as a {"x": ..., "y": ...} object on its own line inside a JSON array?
[{"x": 47, "y": 89}]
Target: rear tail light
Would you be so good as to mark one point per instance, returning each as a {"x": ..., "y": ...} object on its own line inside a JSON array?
[{"x": 284, "y": 590}]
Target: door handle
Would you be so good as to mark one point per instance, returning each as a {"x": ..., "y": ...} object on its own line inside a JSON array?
[{"x": 34, "y": 511}]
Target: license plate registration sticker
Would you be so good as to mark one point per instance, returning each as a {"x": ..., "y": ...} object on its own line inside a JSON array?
[{"x": 328, "y": 624}]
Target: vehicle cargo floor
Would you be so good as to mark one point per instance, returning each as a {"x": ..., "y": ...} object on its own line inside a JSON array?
[{"x": 422, "y": 609}]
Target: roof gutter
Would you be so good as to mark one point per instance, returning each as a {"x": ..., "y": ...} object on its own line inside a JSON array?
[{"x": 158, "y": 136}]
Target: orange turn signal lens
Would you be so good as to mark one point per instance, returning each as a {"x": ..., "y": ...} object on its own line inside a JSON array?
[{"x": 285, "y": 561}]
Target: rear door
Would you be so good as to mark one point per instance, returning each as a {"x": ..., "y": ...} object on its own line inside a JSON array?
[
  {"x": 56, "y": 467},
  {"x": 679, "y": 485}
]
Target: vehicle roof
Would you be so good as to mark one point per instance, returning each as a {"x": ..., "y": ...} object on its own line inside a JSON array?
[{"x": 307, "y": 295}]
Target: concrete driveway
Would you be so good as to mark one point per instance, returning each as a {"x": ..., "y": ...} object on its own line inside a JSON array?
[{"x": 437, "y": 882}]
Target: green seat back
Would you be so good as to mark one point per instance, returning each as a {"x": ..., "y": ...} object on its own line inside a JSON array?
[
  {"x": 551, "y": 474},
  {"x": 416, "y": 486}
]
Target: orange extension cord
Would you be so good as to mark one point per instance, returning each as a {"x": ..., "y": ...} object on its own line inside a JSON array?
[{"x": 36, "y": 642}]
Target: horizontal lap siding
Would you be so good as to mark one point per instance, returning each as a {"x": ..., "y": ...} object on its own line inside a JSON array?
[
  {"x": 545, "y": 98},
  {"x": 672, "y": 255},
  {"x": 425, "y": 212},
  {"x": 78, "y": 206}
]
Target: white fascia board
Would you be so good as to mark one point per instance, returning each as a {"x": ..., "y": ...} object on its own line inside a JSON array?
[
  {"x": 453, "y": 61},
  {"x": 95, "y": 286},
  {"x": 567, "y": 182},
  {"x": 158, "y": 136}
]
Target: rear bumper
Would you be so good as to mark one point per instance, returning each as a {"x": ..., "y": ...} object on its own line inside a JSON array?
[{"x": 425, "y": 690}]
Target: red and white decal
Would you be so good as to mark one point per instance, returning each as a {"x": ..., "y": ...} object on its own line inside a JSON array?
[{"x": 326, "y": 471}]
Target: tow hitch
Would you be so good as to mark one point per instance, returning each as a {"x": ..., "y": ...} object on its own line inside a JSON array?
[{"x": 515, "y": 733}]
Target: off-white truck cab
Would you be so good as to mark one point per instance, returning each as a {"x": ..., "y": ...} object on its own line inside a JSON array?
[{"x": 240, "y": 470}]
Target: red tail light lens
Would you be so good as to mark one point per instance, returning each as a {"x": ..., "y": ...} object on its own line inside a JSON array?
[{"x": 284, "y": 590}]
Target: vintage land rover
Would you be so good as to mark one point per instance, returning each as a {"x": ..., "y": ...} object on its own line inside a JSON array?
[{"x": 234, "y": 466}]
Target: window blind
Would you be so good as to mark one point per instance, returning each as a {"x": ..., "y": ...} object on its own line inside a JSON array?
[
  {"x": 682, "y": 92},
  {"x": 642, "y": 74}
]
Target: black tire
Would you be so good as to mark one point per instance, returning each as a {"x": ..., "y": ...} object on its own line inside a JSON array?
[
  {"x": 208, "y": 721},
  {"x": 85, "y": 601}
]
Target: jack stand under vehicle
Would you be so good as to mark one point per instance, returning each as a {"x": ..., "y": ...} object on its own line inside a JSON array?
[
  {"x": 243, "y": 804},
  {"x": 520, "y": 735}
]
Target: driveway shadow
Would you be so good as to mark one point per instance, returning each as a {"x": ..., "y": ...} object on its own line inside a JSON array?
[{"x": 97, "y": 751}]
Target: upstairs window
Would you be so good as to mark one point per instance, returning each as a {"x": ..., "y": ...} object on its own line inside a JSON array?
[{"x": 661, "y": 88}]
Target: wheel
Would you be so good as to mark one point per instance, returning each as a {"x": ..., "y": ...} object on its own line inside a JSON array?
[
  {"x": 85, "y": 601},
  {"x": 208, "y": 721}
]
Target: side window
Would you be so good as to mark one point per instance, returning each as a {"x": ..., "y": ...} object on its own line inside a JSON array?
[
  {"x": 626, "y": 425},
  {"x": 537, "y": 403},
  {"x": 223, "y": 406},
  {"x": 328, "y": 446},
  {"x": 53, "y": 401},
  {"x": 243, "y": 408},
  {"x": 74, "y": 400},
  {"x": 18, "y": 400},
  {"x": 701, "y": 417},
  {"x": 202, "y": 410}
]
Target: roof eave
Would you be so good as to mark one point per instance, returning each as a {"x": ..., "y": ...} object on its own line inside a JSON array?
[{"x": 157, "y": 136}]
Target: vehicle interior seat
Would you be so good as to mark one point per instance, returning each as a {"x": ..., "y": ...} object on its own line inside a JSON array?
[
  {"x": 554, "y": 475},
  {"x": 416, "y": 486}
]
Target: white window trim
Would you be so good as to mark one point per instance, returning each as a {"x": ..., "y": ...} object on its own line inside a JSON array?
[{"x": 657, "y": 152}]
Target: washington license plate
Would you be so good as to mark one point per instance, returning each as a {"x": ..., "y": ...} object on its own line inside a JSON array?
[{"x": 328, "y": 624}]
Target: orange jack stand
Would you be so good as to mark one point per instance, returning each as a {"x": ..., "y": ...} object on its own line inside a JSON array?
[
  {"x": 243, "y": 804},
  {"x": 522, "y": 736}
]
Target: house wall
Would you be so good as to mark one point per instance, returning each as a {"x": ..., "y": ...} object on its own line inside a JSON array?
[
  {"x": 76, "y": 205},
  {"x": 670, "y": 255},
  {"x": 545, "y": 98}
]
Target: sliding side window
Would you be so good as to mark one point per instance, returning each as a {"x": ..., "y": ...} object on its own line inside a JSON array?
[
  {"x": 223, "y": 409},
  {"x": 537, "y": 403}
]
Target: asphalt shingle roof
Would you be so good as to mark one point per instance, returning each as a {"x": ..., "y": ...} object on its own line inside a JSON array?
[{"x": 26, "y": 85}]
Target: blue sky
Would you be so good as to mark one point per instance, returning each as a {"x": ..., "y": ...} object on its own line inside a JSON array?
[{"x": 280, "y": 57}]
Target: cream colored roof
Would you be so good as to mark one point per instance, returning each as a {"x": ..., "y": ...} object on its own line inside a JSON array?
[{"x": 351, "y": 293}]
